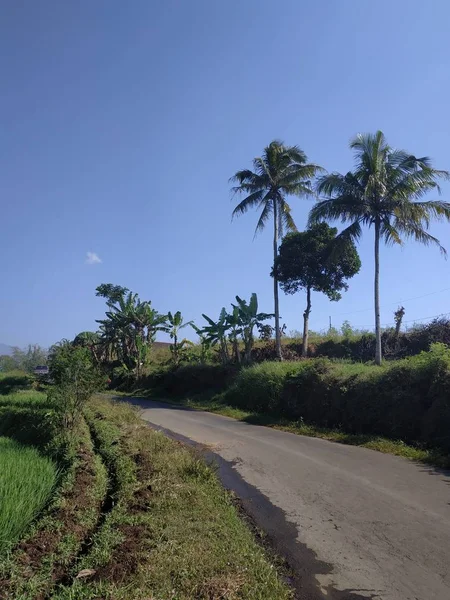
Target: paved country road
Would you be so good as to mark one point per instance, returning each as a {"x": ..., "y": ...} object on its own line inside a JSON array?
[{"x": 352, "y": 522}]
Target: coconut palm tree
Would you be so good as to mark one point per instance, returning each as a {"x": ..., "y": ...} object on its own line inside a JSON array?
[
  {"x": 385, "y": 191},
  {"x": 281, "y": 171}
]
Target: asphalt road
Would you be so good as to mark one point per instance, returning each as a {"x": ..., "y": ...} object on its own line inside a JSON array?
[{"x": 353, "y": 523}]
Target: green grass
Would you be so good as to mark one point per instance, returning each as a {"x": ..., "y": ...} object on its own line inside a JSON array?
[
  {"x": 27, "y": 480},
  {"x": 173, "y": 531},
  {"x": 15, "y": 380}
]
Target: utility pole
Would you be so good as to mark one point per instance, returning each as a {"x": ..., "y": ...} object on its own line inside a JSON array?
[{"x": 329, "y": 329}]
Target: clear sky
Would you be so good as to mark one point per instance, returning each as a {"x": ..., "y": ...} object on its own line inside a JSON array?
[{"x": 122, "y": 122}]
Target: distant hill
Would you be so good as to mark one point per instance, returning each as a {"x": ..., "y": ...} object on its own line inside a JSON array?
[{"x": 4, "y": 349}]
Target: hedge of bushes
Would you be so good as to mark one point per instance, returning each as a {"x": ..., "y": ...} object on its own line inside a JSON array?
[
  {"x": 409, "y": 343},
  {"x": 408, "y": 399},
  {"x": 362, "y": 347},
  {"x": 178, "y": 381}
]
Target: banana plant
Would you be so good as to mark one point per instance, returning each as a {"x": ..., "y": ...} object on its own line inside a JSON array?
[
  {"x": 249, "y": 318},
  {"x": 216, "y": 333},
  {"x": 174, "y": 325},
  {"x": 205, "y": 344},
  {"x": 235, "y": 323},
  {"x": 129, "y": 327}
]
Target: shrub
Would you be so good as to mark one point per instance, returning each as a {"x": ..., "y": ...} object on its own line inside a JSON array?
[
  {"x": 408, "y": 399},
  {"x": 260, "y": 387},
  {"x": 75, "y": 378},
  {"x": 195, "y": 379}
]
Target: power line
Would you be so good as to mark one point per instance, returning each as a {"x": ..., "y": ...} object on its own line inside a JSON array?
[
  {"x": 392, "y": 303},
  {"x": 425, "y": 318},
  {"x": 392, "y": 324}
]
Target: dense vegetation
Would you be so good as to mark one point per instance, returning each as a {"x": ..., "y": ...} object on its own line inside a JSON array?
[{"x": 407, "y": 399}]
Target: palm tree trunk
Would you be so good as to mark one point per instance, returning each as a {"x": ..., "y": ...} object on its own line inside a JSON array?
[
  {"x": 378, "y": 354},
  {"x": 306, "y": 323},
  {"x": 275, "y": 283}
]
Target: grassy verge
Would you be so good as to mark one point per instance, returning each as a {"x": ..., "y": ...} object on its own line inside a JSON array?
[
  {"x": 171, "y": 531},
  {"x": 216, "y": 404}
]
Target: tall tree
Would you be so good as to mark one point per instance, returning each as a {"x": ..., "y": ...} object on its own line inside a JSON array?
[
  {"x": 385, "y": 191},
  {"x": 312, "y": 260},
  {"x": 281, "y": 171}
]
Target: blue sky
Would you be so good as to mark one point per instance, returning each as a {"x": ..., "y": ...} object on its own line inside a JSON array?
[{"x": 122, "y": 122}]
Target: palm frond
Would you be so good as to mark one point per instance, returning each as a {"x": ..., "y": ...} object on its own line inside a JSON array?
[
  {"x": 287, "y": 220},
  {"x": 437, "y": 209},
  {"x": 390, "y": 233},
  {"x": 411, "y": 186},
  {"x": 264, "y": 217},
  {"x": 413, "y": 230},
  {"x": 371, "y": 150},
  {"x": 250, "y": 201},
  {"x": 299, "y": 177},
  {"x": 397, "y": 157},
  {"x": 296, "y": 155},
  {"x": 243, "y": 176},
  {"x": 353, "y": 232},
  {"x": 350, "y": 234},
  {"x": 344, "y": 208},
  {"x": 335, "y": 184},
  {"x": 262, "y": 169}
]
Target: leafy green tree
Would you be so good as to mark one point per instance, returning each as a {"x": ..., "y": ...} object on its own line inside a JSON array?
[
  {"x": 27, "y": 360},
  {"x": 312, "y": 260},
  {"x": 347, "y": 330},
  {"x": 112, "y": 293},
  {"x": 265, "y": 332},
  {"x": 174, "y": 325},
  {"x": 7, "y": 363},
  {"x": 75, "y": 378},
  {"x": 385, "y": 191},
  {"x": 281, "y": 171}
]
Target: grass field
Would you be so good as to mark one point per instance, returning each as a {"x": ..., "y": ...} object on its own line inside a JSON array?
[{"x": 26, "y": 482}]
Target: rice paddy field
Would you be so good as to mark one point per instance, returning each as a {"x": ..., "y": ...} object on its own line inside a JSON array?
[{"x": 27, "y": 479}]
